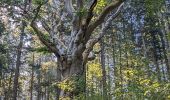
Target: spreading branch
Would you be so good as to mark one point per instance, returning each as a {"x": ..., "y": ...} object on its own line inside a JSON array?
[
  {"x": 41, "y": 36},
  {"x": 80, "y": 34},
  {"x": 90, "y": 12},
  {"x": 101, "y": 18},
  {"x": 92, "y": 42},
  {"x": 46, "y": 42},
  {"x": 109, "y": 21}
]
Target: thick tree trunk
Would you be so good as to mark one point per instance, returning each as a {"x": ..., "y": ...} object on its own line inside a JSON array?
[
  {"x": 72, "y": 72},
  {"x": 75, "y": 68}
]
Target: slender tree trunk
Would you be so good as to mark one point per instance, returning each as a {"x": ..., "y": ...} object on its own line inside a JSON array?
[
  {"x": 32, "y": 77},
  {"x": 163, "y": 71},
  {"x": 165, "y": 56},
  {"x": 19, "y": 52},
  {"x": 58, "y": 79},
  {"x": 155, "y": 60},
  {"x": 48, "y": 93},
  {"x": 115, "y": 73},
  {"x": 45, "y": 93},
  {"x": 9, "y": 87},
  {"x": 18, "y": 62},
  {"x": 145, "y": 54},
  {"x": 155, "y": 56},
  {"x": 102, "y": 57},
  {"x": 109, "y": 79},
  {"x": 39, "y": 86},
  {"x": 120, "y": 65}
]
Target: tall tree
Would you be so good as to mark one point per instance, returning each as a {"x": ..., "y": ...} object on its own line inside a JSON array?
[
  {"x": 73, "y": 53},
  {"x": 19, "y": 53},
  {"x": 18, "y": 62}
]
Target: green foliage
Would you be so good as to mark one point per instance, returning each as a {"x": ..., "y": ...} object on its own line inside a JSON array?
[
  {"x": 82, "y": 12},
  {"x": 94, "y": 72},
  {"x": 80, "y": 97},
  {"x": 39, "y": 2},
  {"x": 3, "y": 49},
  {"x": 139, "y": 88},
  {"x": 153, "y": 6},
  {"x": 30, "y": 30},
  {"x": 3, "y": 56},
  {"x": 43, "y": 50},
  {"x": 67, "y": 85},
  {"x": 11, "y": 2},
  {"x": 74, "y": 84},
  {"x": 2, "y": 28},
  {"x": 100, "y": 5},
  {"x": 169, "y": 36},
  {"x": 134, "y": 84}
]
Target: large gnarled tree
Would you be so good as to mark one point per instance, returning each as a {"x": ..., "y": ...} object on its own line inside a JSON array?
[{"x": 69, "y": 26}]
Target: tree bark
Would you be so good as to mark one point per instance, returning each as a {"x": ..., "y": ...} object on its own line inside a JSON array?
[
  {"x": 74, "y": 72},
  {"x": 9, "y": 87},
  {"x": 102, "y": 57},
  {"x": 39, "y": 86},
  {"x": 57, "y": 89},
  {"x": 18, "y": 62},
  {"x": 19, "y": 52},
  {"x": 32, "y": 77}
]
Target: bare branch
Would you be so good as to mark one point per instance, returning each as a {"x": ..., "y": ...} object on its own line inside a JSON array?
[
  {"x": 36, "y": 14},
  {"x": 90, "y": 12},
  {"x": 46, "y": 42},
  {"x": 108, "y": 21},
  {"x": 41, "y": 36},
  {"x": 55, "y": 40},
  {"x": 102, "y": 16},
  {"x": 92, "y": 42}
]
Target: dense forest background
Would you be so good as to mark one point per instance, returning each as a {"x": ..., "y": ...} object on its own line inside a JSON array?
[{"x": 84, "y": 49}]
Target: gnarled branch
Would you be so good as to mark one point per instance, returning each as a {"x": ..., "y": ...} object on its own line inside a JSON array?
[
  {"x": 41, "y": 36},
  {"x": 90, "y": 44},
  {"x": 46, "y": 42},
  {"x": 101, "y": 18},
  {"x": 90, "y": 12}
]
